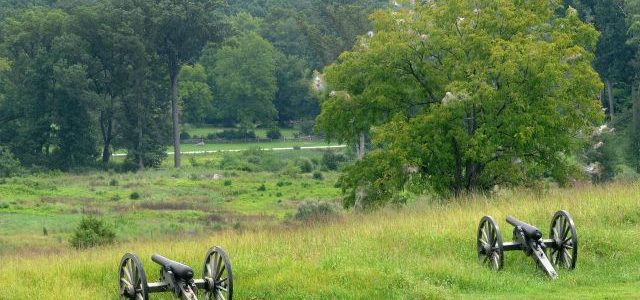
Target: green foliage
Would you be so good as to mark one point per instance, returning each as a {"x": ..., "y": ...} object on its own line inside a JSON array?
[
  {"x": 91, "y": 232},
  {"x": 195, "y": 95},
  {"x": 316, "y": 211},
  {"x": 48, "y": 121},
  {"x": 9, "y": 165},
  {"x": 332, "y": 159},
  {"x": 274, "y": 133},
  {"x": 245, "y": 77},
  {"x": 305, "y": 165},
  {"x": 462, "y": 100},
  {"x": 240, "y": 134},
  {"x": 317, "y": 175},
  {"x": 134, "y": 196}
]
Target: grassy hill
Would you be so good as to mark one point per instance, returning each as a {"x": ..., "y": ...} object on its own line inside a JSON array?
[{"x": 423, "y": 251}]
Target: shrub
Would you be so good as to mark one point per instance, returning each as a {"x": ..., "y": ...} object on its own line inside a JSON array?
[
  {"x": 134, "y": 196},
  {"x": 4, "y": 205},
  {"x": 9, "y": 165},
  {"x": 185, "y": 136},
  {"x": 91, "y": 232},
  {"x": 317, "y": 175},
  {"x": 230, "y": 134},
  {"x": 193, "y": 161},
  {"x": 305, "y": 166},
  {"x": 227, "y": 182},
  {"x": 274, "y": 133},
  {"x": 314, "y": 211},
  {"x": 262, "y": 188},
  {"x": 212, "y": 136},
  {"x": 306, "y": 127},
  {"x": 113, "y": 182},
  {"x": 331, "y": 160}
]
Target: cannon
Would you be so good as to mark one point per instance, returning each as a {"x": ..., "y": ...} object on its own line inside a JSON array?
[
  {"x": 177, "y": 278},
  {"x": 559, "y": 250}
]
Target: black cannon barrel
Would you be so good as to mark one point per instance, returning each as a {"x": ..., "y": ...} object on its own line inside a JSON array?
[
  {"x": 180, "y": 270},
  {"x": 529, "y": 230}
]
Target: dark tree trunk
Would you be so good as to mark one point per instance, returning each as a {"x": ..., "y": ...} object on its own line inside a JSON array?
[
  {"x": 106, "y": 126},
  {"x": 140, "y": 152},
  {"x": 457, "y": 185},
  {"x": 610, "y": 98},
  {"x": 173, "y": 74}
]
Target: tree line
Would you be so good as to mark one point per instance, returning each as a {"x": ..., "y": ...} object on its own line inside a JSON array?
[{"x": 79, "y": 79}]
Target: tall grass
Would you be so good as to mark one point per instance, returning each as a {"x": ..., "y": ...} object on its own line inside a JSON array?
[{"x": 424, "y": 251}]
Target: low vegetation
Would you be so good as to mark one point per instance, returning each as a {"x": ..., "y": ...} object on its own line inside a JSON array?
[
  {"x": 424, "y": 251},
  {"x": 253, "y": 189}
]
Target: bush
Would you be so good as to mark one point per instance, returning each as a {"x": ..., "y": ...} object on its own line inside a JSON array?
[
  {"x": 306, "y": 127},
  {"x": 185, "y": 136},
  {"x": 134, "y": 196},
  {"x": 9, "y": 165},
  {"x": 230, "y": 134},
  {"x": 274, "y": 133},
  {"x": 305, "y": 166},
  {"x": 317, "y": 175},
  {"x": 113, "y": 182},
  {"x": 262, "y": 188},
  {"x": 91, "y": 232},
  {"x": 228, "y": 183},
  {"x": 314, "y": 211},
  {"x": 331, "y": 160}
]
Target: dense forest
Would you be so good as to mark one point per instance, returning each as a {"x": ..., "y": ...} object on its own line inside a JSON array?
[
  {"x": 79, "y": 79},
  {"x": 82, "y": 78}
]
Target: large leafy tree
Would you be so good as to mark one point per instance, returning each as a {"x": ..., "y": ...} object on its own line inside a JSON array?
[
  {"x": 179, "y": 30},
  {"x": 50, "y": 119},
  {"x": 458, "y": 99},
  {"x": 195, "y": 95},
  {"x": 245, "y": 78}
]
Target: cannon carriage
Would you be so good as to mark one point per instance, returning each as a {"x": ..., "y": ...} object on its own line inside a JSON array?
[
  {"x": 559, "y": 250},
  {"x": 177, "y": 278}
]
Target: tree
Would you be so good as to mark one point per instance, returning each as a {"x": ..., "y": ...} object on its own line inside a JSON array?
[
  {"x": 195, "y": 95},
  {"x": 246, "y": 81},
  {"x": 293, "y": 101},
  {"x": 459, "y": 100},
  {"x": 181, "y": 28},
  {"x": 49, "y": 117}
]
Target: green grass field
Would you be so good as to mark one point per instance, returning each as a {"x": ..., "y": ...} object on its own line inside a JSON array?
[
  {"x": 204, "y": 130},
  {"x": 189, "y": 201},
  {"x": 423, "y": 251},
  {"x": 186, "y": 148}
]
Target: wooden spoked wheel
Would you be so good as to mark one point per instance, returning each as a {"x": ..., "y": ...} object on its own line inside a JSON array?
[
  {"x": 133, "y": 280},
  {"x": 490, "y": 251},
  {"x": 217, "y": 275},
  {"x": 564, "y": 253}
]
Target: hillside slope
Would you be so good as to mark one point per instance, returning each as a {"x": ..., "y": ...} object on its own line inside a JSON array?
[{"x": 419, "y": 252}]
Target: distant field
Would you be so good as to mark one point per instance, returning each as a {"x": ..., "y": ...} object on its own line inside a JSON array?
[
  {"x": 243, "y": 146},
  {"x": 186, "y": 201},
  {"x": 424, "y": 251},
  {"x": 203, "y": 131}
]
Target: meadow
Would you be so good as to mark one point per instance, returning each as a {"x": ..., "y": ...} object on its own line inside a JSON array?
[
  {"x": 425, "y": 250},
  {"x": 212, "y": 192}
]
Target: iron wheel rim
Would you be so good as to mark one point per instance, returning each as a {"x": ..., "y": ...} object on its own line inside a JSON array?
[
  {"x": 489, "y": 244},
  {"x": 563, "y": 232},
  {"x": 132, "y": 278},
  {"x": 217, "y": 272}
]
